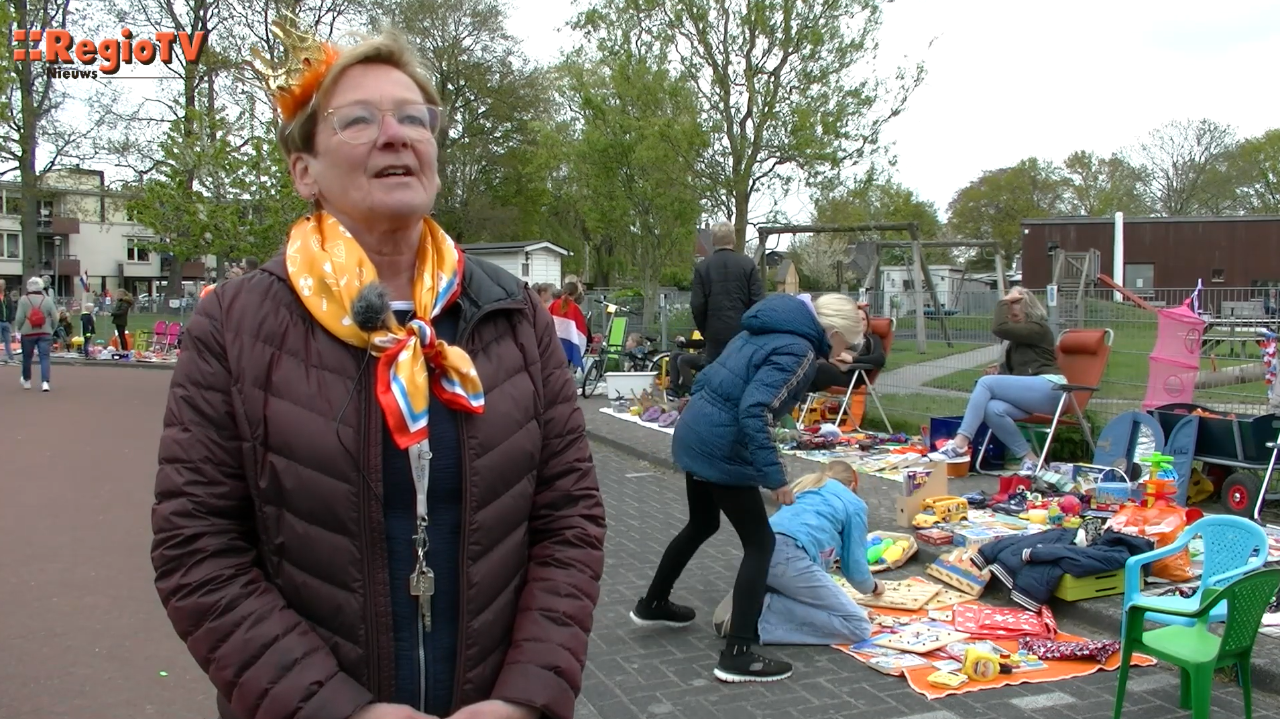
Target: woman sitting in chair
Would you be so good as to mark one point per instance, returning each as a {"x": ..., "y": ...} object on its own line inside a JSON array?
[
  {"x": 1025, "y": 383},
  {"x": 842, "y": 370}
]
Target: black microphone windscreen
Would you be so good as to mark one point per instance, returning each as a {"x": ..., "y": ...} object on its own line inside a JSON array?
[{"x": 371, "y": 307}]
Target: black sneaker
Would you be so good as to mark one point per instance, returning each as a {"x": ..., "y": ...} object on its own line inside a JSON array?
[
  {"x": 747, "y": 666},
  {"x": 662, "y": 614},
  {"x": 720, "y": 618}
]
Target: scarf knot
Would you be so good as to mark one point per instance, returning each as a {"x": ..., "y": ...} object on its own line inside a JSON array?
[{"x": 327, "y": 268}]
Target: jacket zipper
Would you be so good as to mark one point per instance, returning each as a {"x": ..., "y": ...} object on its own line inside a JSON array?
[
  {"x": 422, "y": 659},
  {"x": 371, "y": 624},
  {"x": 458, "y": 674}
]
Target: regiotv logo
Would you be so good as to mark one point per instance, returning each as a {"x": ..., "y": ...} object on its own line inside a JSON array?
[{"x": 62, "y": 48}]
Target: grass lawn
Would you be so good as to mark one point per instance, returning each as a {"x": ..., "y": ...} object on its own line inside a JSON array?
[
  {"x": 903, "y": 353},
  {"x": 138, "y": 321},
  {"x": 1127, "y": 368},
  {"x": 143, "y": 321}
]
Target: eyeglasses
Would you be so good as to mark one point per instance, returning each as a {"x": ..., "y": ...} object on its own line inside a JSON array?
[{"x": 361, "y": 123}]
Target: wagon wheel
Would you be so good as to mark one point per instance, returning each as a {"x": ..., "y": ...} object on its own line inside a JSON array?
[{"x": 1240, "y": 493}]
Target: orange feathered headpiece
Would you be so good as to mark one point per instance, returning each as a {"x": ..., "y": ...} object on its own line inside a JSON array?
[{"x": 293, "y": 83}]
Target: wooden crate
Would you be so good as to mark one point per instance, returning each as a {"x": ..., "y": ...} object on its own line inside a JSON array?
[{"x": 1074, "y": 589}]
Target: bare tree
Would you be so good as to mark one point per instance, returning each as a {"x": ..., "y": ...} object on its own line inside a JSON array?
[
  {"x": 1184, "y": 163},
  {"x": 36, "y": 134}
]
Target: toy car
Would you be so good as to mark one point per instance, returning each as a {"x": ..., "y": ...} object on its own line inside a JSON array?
[{"x": 941, "y": 510}]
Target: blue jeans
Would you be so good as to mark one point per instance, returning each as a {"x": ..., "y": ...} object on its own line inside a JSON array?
[
  {"x": 804, "y": 605},
  {"x": 32, "y": 344},
  {"x": 1002, "y": 400},
  {"x": 6, "y": 335}
]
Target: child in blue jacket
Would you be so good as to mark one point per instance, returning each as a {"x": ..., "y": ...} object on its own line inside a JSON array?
[
  {"x": 724, "y": 443},
  {"x": 804, "y": 605}
]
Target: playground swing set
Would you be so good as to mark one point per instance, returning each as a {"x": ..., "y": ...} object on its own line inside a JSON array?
[{"x": 845, "y": 406}]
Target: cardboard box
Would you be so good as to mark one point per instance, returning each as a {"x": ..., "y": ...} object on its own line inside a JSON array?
[
  {"x": 935, "y": 486},
  {"x": 917, "y": 478}
]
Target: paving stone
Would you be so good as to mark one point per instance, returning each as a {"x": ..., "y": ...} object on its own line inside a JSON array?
[{"x": 636, "y": 673}]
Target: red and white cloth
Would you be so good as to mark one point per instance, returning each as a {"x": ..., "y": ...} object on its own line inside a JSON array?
[{"x": 981, "y": 621}]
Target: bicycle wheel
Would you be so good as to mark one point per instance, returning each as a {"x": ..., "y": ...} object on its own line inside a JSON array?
[
  {"x": 591, "y": 378},
  {"x": 661, "y": 363}
]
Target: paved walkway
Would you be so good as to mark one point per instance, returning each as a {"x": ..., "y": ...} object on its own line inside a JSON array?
[
  {"x": 913, "y": 377},
  {"x": 1102, "y": 615},
  {"x": 635, "y": 673},
  {"x": 83, "y": 634}
]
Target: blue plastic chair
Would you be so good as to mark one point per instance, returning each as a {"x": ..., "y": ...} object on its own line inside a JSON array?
[{"x": 1233, "y": 547}]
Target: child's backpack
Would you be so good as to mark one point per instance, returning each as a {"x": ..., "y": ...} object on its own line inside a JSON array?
[{"x": 36, "y": 317}]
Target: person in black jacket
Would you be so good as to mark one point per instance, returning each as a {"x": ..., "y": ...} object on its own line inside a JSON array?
[
  {"x": 840, "y": 371},
  {"x": 725, "y": 285}
]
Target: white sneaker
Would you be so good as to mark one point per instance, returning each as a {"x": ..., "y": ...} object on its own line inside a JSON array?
[
  {"x": 26, "y": 383},
  {"x": 44, "y": 386}
]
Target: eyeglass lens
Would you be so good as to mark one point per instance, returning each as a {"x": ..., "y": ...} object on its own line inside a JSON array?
[{"x": 362, "y": 123}]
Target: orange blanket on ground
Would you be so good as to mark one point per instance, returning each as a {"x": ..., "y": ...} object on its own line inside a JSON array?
[{"x": 1055, "y": 670}]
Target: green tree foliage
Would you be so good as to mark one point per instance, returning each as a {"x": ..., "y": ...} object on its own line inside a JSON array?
[
  {"x": 188, "y": 201},
  {"x": 637, "y": 129},
  {"x": 268, "y": 205},
  {"x": 992, "y": 207},
  {"x": 1255, "y": 165},
  {"x": 785, "y": 86},
  {"x": 1100, "y": 186},
  {"x": 493, "y": 98}
]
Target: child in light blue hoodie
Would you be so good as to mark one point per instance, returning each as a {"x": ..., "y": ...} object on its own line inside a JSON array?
[{"x": 804, "y": 604}]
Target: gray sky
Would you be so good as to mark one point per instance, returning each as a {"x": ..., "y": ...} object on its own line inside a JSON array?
[{"x": 1010, "y": 79}]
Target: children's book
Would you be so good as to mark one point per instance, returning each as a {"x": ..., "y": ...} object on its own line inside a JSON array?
[
  {"x": 868, "y": 647},
  {"x": 895, "y": 664}
]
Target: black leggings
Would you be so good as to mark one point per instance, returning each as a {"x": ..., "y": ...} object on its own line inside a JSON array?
[
  {"x": 745, "y": 509},
  {"x": 124, "y": 340}
]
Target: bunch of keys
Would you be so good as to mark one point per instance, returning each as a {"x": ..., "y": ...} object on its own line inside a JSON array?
[{"x": 422, "y": 583}]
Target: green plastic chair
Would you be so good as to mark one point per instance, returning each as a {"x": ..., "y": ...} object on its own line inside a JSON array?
[
  {"x": 1197, "y": 651},
  {"x": 617, "y": 338}
]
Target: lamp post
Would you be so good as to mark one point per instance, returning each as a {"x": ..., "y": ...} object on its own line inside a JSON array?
[{"x": 57, "y": 253}]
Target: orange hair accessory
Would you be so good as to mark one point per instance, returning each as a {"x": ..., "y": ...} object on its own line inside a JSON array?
[{"x": 292, "y": 84}]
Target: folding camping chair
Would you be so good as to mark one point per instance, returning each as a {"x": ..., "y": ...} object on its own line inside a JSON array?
[
  {"x": 1082, "y": 357},
  {"x": 159, "y": 333},
  {"x": 881, "y": 327},
  {"x": 171, "y": 337}
]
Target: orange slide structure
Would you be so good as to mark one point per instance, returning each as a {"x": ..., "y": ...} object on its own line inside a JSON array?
[{"x": 1103, "y": 279}]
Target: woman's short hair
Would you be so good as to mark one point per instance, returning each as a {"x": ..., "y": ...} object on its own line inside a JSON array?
[
  {"x": 35, "y": 284},
  {"x": 391, "y": 49},
  {"x": 837, "y": 313}
]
